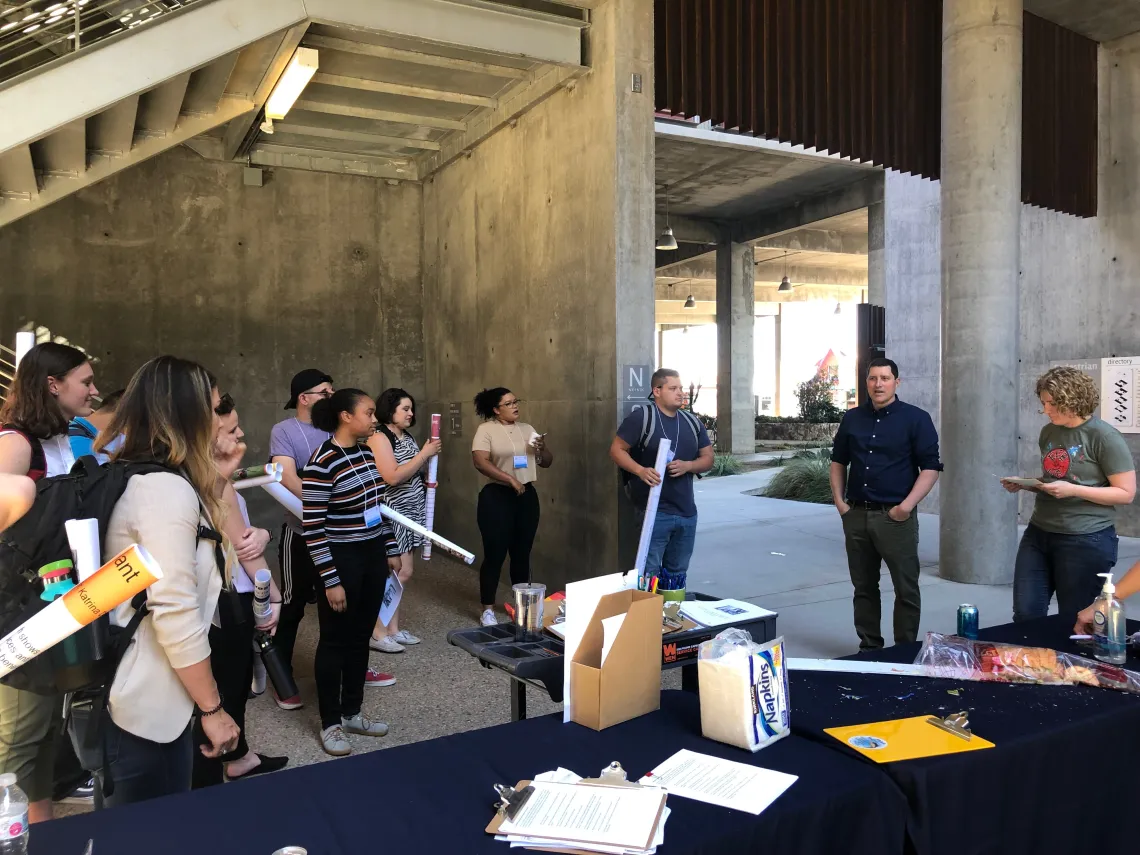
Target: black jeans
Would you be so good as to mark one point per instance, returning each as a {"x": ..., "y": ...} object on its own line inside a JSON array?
[
  {"x": 142, "y": 769},
  {"x": 231, "y": 660},
  {"x": 872, "y": 538},
  {"x": 508, "y": 523},
  {"x": 298, "y": 580},
  {"x": 342, "y": 652}
]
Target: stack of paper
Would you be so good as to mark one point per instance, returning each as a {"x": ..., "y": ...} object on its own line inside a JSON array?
[
  {"x": 564, "y": 816},
  {"x": 721, "y": 612}
]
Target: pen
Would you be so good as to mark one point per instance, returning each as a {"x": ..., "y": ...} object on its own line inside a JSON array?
[{"x": 655, "y": 580}]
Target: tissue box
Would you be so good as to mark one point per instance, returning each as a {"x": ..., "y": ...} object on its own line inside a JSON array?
[{"x": 628, "y": 682}]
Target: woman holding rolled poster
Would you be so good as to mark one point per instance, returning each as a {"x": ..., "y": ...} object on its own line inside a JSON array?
[
  {"x": 54, "y": 384},
  {"x": 167, "y": 416},
  {"x": 508, "y": 453},
  {"x": 401, "y": 462},
  {"x": 341, "y": 493}
]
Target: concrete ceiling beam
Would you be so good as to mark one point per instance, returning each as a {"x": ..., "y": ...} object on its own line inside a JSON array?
[
  {"x": 861, "y": 193},
  {"x": 353, "y": 136},
  {"x": 380, "y": 115},
  {"x": 403, "y": 89},
  {"x": 691, "y": 229},
  {"x": 415, "y": 57},
  {"x": 701, "y": 270},
  {"x": 818, "y": 240},
  {"x": 706, "y": 291},
  {"x": 317, "y": 160}
]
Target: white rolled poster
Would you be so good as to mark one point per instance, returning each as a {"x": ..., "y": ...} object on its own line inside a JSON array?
[{"x": 651, "y": 507}]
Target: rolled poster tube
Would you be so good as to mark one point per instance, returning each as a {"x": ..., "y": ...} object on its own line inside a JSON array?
[
  {"x": 442, "y": 543},
  {"x": 432, "y": 475},
  {"x": 651, "y": 507},
  {"x": 281, "y": 493}
]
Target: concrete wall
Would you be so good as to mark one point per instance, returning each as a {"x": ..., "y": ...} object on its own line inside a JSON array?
[
  {"x": 538, "y": 276},
  {"x": 1080, "y": 279},
  {"x": 177, "y": 256}
]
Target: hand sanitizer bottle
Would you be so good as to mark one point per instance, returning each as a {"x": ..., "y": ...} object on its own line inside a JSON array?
[{"x": 1110, "y": 637}]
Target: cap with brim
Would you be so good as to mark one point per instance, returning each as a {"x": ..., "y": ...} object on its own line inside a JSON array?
[{"x": 302, "y": 382}]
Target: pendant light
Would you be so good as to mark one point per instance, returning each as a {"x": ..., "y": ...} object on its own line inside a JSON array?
[
  {"x": 785, "y": 283},
  {"x": 666, "y": 241},
  {"x": 690, "y": 303},
  {"x": 839, "y": 308}
]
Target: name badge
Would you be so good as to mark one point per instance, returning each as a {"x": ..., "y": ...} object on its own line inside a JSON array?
[
  {"x": 670, "y": 456},
  {"x": 372, "y": 516},
  {"x": 520, "y": 461}
]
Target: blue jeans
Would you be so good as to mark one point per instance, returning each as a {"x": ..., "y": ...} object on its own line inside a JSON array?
[
  {"x": 1067, "y": 564},
  {"x": 141, "y": 769},
  {"x": 670, "y": 548}
]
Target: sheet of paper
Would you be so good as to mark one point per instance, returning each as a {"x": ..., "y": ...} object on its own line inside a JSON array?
[
  {"x": 558, "y": 776},
  {"x": 853, "y": 666},
  {"x": 624, "y": 817},
  {"x": 393, "y": 591},
  {"x": 611, "y": 626},
  {"x": 581, "y": 600},
  {"x": 1023, "y": 482},
  {"x": 529, "y": 842},
  {"x": 721, "y": 612},
  {"x": 720, "y": 782}
]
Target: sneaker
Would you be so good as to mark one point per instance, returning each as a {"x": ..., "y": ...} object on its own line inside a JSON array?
[
  {"x": 489, "y": 618},
  {"x": 335, "y": 742},
  {"x": 81, "y": 795},
  {"x": 378, "y": 679},
  {"x": 387, "y": 644},
  {"x": 257, "y": 687},
  {"x": 293, "y": 703},
  {"x": 406, "y": 638},
  {"x": 364, "y": 726}
]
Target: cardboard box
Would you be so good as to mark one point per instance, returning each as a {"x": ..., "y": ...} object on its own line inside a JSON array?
[{"x": 628, "y": 684}]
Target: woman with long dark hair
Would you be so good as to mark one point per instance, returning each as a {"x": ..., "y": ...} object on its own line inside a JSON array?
[
  {"x": 508, "y": 453},
  {"x": 341, "y": 493},
  {"x": 401, "y": 462},
  {"x": 54, "y": 383},
  {"x": 167, "y": 416}
]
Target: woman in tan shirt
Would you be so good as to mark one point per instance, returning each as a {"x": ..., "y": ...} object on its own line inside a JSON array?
[
  {"x": 167, "y": 416},
  {"x": 508, "y": 453}
]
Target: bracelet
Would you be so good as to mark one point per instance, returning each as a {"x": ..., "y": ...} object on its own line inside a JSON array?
[{"x": 203, "y": 713}]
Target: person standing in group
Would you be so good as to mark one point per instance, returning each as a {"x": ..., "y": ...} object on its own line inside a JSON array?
[
  {"x": 53, "y": 384},
  {"x": 508, "y": 453},
  {"x": 876, "y": 497},
  {"x": 292, "y": 444},
  {"x": 231, "y": 640},
  {"x": 83, "y": 431},
  {"x": 349, "y": 541},
  {"x": 1087, "y": 472},
  {"x": 400, "y": 461},
  {"x": 634, "y": 449},
  {"x": 167, "y": 416}
]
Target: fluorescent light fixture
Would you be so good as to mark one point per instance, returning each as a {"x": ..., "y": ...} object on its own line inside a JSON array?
[
  {"x": 25, "y": 341},
  {"x": 292, "y": 83}
]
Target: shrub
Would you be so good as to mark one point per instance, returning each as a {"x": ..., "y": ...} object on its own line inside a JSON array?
[
  {"x": 725, "y": 464},
  {"x": 802, "y": 481},
  {"x": 813, "y": 454},
  {"x": 816, "y": 404}
]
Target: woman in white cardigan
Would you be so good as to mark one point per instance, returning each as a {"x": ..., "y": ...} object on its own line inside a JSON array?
[{"x": 167, "y": 415}]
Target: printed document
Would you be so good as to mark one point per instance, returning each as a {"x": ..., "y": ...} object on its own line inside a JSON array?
[
  {"x": 720, "y": 782},
  {"x": 721, "y": 612},
  {"x": 623, "y": 817}
]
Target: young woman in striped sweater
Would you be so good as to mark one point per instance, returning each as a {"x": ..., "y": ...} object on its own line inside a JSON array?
[{"x": 341, "y": 493}]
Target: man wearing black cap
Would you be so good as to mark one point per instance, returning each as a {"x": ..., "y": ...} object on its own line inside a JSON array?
[{"x": 291, "y": 444}]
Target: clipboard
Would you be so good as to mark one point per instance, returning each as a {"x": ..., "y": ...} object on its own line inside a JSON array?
[
  {"x": 495, "y": 825},
  {"x": 905, "y": 739}
]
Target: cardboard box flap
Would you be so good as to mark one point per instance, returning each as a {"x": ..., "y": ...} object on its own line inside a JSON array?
[{"x": 589, "y": 650}]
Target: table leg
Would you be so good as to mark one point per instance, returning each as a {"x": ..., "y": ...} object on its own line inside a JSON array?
[
  {"x": 518, "y": 700},
  {"x": 689, "y": 678}
]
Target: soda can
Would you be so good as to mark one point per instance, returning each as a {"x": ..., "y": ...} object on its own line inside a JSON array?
[{"x": 968, "y": 621}]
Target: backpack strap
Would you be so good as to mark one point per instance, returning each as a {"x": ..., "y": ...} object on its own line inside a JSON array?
[
  {"x": 648, "y": 425},
  {"x": 694, "y": 426},
  {"x": 37, "y": 467}
]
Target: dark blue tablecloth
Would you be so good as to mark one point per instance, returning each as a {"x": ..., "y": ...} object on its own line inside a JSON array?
[
  {"x": 436, "y": 796},
  {"x": 1062, "y": 775}
]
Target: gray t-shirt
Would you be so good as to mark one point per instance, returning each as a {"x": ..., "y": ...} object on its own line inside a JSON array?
[
  {"x": 298, "y": 440},
  {"x": 1084, "y": 455}
]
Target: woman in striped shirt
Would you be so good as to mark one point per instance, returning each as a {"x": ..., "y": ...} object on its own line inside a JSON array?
[{"x": 341, "y": 492}]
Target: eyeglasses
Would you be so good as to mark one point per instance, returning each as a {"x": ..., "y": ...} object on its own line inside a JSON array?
[
  {"x": 324, "y": 393},
  {"x": 513, "y": 403}
]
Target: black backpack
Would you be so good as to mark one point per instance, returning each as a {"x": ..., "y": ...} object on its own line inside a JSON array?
[
  {"x": 648, "y": 429},
  {"x": 87, "y": 659}
]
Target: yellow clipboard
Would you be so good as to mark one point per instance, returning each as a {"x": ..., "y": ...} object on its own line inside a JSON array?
[{"x": 904, "y": 739}]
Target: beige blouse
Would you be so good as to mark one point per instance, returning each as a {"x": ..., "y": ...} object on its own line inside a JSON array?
[
  {"x": 161, "y": 512},
  {"x": 503, "y": 443}
]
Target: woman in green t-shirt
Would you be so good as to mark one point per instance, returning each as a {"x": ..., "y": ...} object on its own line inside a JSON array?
[{"x": 1087, "y": 471}]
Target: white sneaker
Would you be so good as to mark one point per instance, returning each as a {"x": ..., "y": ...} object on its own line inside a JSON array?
[
  {"x": 387, "y": 644},
  {"x": 364, "y": 726},
  {"x": 258, "y": 686},
  {"x": 335, "y": 742},
  {"x": 489, "y": 618},
  {"x": 406, "y": 638}
]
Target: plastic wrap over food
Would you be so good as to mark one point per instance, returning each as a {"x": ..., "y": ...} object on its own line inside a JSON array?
[
  {"x": 744, "y": 690},
  {"x": 958, "y": 658}
]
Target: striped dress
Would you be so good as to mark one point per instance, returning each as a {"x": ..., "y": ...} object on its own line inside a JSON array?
[
  {"x": 407, "y": 498},
  {"x": 337, "y": 487}
]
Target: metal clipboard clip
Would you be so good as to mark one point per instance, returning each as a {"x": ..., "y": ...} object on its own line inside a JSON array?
[
  {"x": 956, "y": 723},
  {"x": 511, "y": 801},
  {"x": 671, "y": 616}
]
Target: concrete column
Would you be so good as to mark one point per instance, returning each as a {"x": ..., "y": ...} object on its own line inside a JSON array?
[
  {"x": 981, "y": 233},
  {"x": 736, "y": 354},
  {"x": 779, "y": 356},
  {"x": 876, "y": 253}
]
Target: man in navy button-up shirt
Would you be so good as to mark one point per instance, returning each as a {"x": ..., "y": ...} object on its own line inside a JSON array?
[{"x": 884, "y": 461}]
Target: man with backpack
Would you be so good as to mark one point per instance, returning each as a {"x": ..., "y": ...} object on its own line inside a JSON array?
[{"x": 634, "y": 449}]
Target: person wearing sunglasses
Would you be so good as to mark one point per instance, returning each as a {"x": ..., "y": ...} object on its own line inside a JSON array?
[{"x": 508, "y": 453}]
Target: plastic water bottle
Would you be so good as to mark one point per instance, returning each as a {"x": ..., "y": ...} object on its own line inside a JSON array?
[{"x": 13, "y": 817}]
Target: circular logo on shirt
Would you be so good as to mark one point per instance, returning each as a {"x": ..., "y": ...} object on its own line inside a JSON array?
[
  {"x": 1057, "y": 462},
  {"x": 871, "y": 743}
]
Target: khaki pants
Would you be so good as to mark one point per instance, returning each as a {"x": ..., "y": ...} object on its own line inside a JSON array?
[
  {"x": 29, "y": 724},
  {"x": 872, "y": 538}
]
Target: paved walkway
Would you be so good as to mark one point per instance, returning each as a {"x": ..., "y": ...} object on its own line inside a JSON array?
[{"x": 790, "y": 557}]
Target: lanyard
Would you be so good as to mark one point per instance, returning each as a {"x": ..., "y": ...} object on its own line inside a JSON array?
[
  {"x": 510, "y": 439},
  {"x": 672, "y": 441},
  {"x": 371, "y": 474}
]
